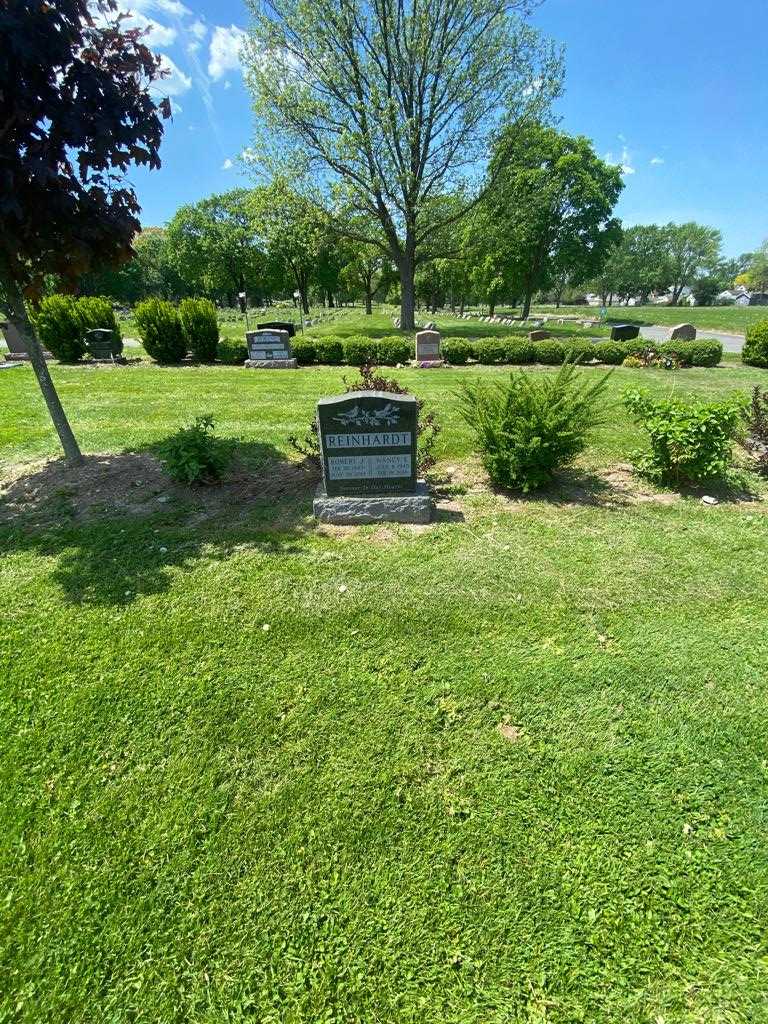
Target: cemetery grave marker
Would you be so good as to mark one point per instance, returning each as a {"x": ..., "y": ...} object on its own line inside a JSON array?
[
  {"x": 269, "y": 349},
  {"x": 624, "y": 332},
  {"x": 683, "y": 332},
  {"x": 368, "y": 448},
  {"x": 428, "y": 348}
]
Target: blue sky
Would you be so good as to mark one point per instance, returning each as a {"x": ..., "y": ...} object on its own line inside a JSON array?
[{"x": 676, "y": 92}]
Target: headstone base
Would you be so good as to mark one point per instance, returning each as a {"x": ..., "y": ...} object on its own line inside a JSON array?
[
  {"x": 429, "y": 364},
  {"x": 270, "y": 364},
  {"x": 346, "y": 510}
]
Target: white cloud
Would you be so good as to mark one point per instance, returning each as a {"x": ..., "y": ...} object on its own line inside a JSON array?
[
  {"x": 193, "y": 47},
  {"x": 198, "y": 29},
  {"x": 172, "y": 7},
  {"x": 655, "y": 160},
  {"x": 624, "y": 161},
  {"x": 156, "y": 34},
  {"x": 227, "y": 165},
  {"x": 227, "y": 84},
  {"x": 225, "y": 49},
  {"x": 175, "y": 83}
]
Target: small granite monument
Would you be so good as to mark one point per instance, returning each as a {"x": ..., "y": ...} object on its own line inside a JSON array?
[
  {"x": 279, "y": 325},
  {"x": 538, "y": 335},
  {"x": 624, "y": 332},
  {"x": 103, "y": 344},
  {"x": 368, "y": 452},
  {"x": 269, "y": 350},
  {"x": 428, "y": 348},
  {"x": 683, "y": 332}
]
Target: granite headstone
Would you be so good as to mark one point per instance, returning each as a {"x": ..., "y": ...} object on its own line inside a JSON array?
[
  {"x": 683, "y": 332},
  {"x": 624, "y": 332},
  {"x": 428, "y": 346}
]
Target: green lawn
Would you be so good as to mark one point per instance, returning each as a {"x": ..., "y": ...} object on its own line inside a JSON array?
[
  {"x": 731, "y": 319},
  {"x": 203, "y": 820}
]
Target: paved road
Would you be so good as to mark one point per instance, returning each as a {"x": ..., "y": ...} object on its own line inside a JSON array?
[{"x": 731, "y": 342}]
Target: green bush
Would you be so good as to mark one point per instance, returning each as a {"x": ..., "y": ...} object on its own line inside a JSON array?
[
  {"x": 532, "y": 425},
  {"x": 550, "y": 352},
  {"x": 160, "y": 329},
  {"x": 329, "y": 351},
  {"x": 613, "y": 353},
  {"x": 305, "y": 351},
  {"x": 359, "y": 350},
  {"x": 579, "y": 350},
  {"x": 703, "y": 352},
  {"x": 755, "y": 351},
  {"x": 491, "y": 351},
  {"x": 456, "y": 351},
  {"x": 96, "y": 313},
  {"x": 393, "y": 349},
  {"x": 59, "y": 328},
  {"x": 519, "y": 351},
  {"x": 232, "y": 352},
  {"x": 194, "y": 455},
  {"x": 690, "y": 442},
  {"x": 200, "y": 327}
]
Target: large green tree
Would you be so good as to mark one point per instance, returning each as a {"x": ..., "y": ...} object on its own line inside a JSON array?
[
  {"x": 755, "y": 274},
  {"x": 691, "y": 249},
  {"x": 75, "y": 112},
  {"x": 394, "y": 102},
  {"x": 216, "y": 245},
  {"x": 551, "y": 210}
]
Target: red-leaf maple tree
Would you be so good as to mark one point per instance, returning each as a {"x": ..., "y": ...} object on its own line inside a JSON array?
[{"x": 75, "y": 112}]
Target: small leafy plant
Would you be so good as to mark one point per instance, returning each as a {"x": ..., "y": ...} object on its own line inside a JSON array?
[
  {"x": 59, "y": 328},
  {"x": 690, "y": 442},
  {"x": 372, "y": 380},
  {"x": 755, "y": 437},
  {"x": 532, "y": 425},
  {"x": 194, "y": 455}
]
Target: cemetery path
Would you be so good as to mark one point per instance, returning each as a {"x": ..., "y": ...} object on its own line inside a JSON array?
[{"x": 731, "y": 342}]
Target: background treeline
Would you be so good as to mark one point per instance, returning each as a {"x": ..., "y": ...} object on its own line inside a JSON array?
[{"x": 545, "y": 232}]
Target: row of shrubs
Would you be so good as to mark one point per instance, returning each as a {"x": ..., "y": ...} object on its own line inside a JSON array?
[
  {"x": 491, "y": 351},
  {"x": 62, "y": 320}
]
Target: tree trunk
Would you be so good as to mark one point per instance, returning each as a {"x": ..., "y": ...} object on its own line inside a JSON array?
[
  {"x": 330, "y": 299},
  {"x": 407, "y": 297},
  {"x": 492, "y": 306},
  {"x": 20, "y": 320},
  {"x": 461, "y": 306},
  {"x": 368, "y": 302},
  {"x": 525, "y": 312}
]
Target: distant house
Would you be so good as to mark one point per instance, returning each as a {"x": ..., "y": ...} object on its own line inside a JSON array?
[{"x": 739, "y": 296}]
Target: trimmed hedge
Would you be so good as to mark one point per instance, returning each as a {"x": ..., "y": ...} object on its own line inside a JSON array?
[
  {"x": 755, "y": 351},
  {"x": 382, "y": 351},
  {"x": 329, "y": 351},
  {"x": 457, "y": 351},
  {"x": 612, "y": 353},
  {"x": 491, "y": 351},
  {"x": 358, "y": 351},
  {"x": 59, "y": 328},
  {"x": 304, "y": 351},
  {"x": 394, "y": 349},
  {"x": 550, "y": 352},
  {"x": 232, "y": 352},
  {"x": 201, "y": 328},
  {"x": 160, "y": 329},
  {"x": 702, "y": 352}
]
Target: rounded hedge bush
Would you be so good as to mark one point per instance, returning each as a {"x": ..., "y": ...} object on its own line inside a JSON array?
[
  {"x": 394, "y": 349},
  {"x": 491, "y": 351},
  {"x": 232, "y": 352},
  {"x": 159, "y": 327},
  {"x": 59, "y": 328},
  {"x": 304, "y": 351},
  {"x": 519, "y": 351},
  {"x": 201, "y": 328},
  {"x": 359, "y": 350},
  {"x": 329, "y": 351},
  {"x": 549, "y": 352},
  {"x": 702, "y": 352},
  {"x": 612, "y": 353},
  {"x": 579, "y": 349},
  {"x": 755, "y": 351},
  {"x": 456, "y": 351}
]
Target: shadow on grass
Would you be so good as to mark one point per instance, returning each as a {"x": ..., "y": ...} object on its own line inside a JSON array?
[{"x": 118, "y": 527}]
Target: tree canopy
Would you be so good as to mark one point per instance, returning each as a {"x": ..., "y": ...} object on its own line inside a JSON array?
[{"x": 394, "y": 103}]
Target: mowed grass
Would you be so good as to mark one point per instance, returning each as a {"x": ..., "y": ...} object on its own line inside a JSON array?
[
  {"x": 730, "y": 319},
  {"x": 203, "y": 820}
]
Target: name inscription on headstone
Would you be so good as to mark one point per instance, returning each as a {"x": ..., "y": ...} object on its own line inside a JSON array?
[
  {"x": 368, "y": 443},
  {"x": 268, "y": 344}
]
